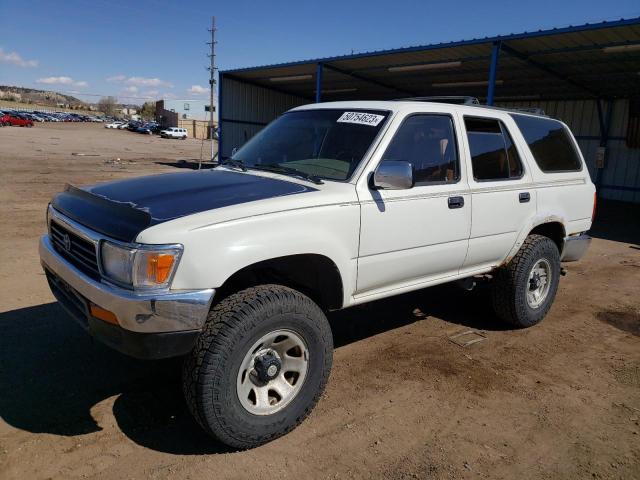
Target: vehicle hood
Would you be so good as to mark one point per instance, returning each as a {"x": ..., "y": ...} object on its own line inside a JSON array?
[{"x": 123, "y": 208}]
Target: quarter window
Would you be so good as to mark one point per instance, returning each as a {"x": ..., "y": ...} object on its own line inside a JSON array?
[
  {"x": 550, "y": 143},
  {"x": 493, "y": 153},
  {"x": 428, "y": 143}
]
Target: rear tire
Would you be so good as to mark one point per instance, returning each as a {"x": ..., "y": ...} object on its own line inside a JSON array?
[
  {"x": 221, "y": 377},
  {"x": 524, "y": 290}
]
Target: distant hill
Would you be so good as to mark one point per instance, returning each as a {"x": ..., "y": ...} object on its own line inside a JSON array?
[{"x": 40, "y": 97}]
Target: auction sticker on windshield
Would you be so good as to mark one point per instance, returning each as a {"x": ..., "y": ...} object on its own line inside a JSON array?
[{"x": 361, "y": 118}]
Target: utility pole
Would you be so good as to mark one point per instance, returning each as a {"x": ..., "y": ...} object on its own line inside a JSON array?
[{"x": 212, "y": 80}]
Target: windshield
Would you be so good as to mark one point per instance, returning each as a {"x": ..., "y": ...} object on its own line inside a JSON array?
[{"x": 324, "y": 143}]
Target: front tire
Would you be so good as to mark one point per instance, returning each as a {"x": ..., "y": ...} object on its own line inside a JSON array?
[
  {"x": 524, "y": 290},
  {"x": 259, "y": 366}
]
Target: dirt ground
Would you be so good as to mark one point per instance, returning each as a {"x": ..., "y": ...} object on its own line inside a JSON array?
[{"x": 560, "y": 400}]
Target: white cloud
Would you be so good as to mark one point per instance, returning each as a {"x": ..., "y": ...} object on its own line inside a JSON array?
[
  {"x": 62, "y": 81},
  {"x": 140, "y": 81},
  {"x": 197, "y": 90},
  {"x": 16, "y": 59},
  {"x": 131, "y": 89},
  {"x": 148, "y": 82},
  {"x": 156, "y": 94}
]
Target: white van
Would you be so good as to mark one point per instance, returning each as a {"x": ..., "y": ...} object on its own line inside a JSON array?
[{"x": 174, "y": 132}]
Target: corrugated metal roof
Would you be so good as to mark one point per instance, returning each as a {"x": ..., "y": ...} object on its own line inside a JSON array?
[{"x": 572, "y": 62}]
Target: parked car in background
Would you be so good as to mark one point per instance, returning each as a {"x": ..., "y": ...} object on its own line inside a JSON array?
[
  {"x": 32, "y": 116},
  {"x": 113, "y": 125},
  {"x": 133, "y": 125},
  {"x": 123, "y": 126},
  {"x": 174, "y": 132},
  {"x": 16, "y": 120},
  {"x": 149, "y": 128}
]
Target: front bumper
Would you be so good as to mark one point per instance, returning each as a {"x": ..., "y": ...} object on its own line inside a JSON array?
[
  {"x": 151, "y": 325},
  {"x": 575, "y": 247}
]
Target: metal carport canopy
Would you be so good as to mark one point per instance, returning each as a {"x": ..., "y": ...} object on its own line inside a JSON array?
[{"x": 588, "y": 61}]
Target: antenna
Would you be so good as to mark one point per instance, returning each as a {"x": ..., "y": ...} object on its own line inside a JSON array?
[{"x": 212, "y": 80}]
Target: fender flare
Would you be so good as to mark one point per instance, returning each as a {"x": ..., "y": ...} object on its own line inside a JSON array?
[{"x": 533, "y": 222}]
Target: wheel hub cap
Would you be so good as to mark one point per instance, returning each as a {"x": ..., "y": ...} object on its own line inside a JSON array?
[
  {"x": 272, "y": 372},
  {"x": 539, "y": 283},
  {"x": 267, "y": 366}
]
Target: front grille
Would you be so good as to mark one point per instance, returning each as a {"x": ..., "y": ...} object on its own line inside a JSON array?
[
  {"x": 71, "y": 300},
  {"x": 78, "y": 251}
]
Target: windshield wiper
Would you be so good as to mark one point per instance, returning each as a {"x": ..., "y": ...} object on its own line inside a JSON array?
[
  {"x": 288, "y": 171},
  {"x": 233, "y": 163}
]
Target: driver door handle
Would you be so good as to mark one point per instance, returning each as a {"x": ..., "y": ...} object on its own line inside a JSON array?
[{"x": 455, "y": 202}]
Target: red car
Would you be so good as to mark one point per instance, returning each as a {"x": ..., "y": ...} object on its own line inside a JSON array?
[{"x": 8, "y": 120}]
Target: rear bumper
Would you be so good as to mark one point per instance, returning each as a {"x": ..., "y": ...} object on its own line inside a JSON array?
[
  {"x": 156, "y": 325},
  {"x": 575, "y": 247}
]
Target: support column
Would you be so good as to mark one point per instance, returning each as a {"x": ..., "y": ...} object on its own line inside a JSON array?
[
  {"x": 319, "y": 71},
  {"x": 221, "y": 80},
  {"x": 493, "y": 70},
  {"x": 605, "y": 126}
]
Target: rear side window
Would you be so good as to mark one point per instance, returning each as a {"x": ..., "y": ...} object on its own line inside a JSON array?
[
  {"x": 550, "y": 143},
  {"x": 493, "y": 154}
]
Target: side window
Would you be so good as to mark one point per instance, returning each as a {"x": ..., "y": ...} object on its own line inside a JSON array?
[
  {"x": 493, "y": 153},
  {"x": 428, "y": 143},
  {"x": 550, "y": 143}
]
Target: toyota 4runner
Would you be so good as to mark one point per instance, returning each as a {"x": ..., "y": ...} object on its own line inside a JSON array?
[{"x": 331, "y": 205}]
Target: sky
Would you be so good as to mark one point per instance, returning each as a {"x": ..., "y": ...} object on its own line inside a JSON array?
[{"x": 149, "y": 49}]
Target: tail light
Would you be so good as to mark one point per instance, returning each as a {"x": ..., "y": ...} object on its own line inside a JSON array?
[{"x": 595, "y": 202}]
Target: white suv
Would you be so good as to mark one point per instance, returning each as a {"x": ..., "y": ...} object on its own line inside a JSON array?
[
  {"x": 174, "y": 132},
  {"x": 331, "y": 205}
]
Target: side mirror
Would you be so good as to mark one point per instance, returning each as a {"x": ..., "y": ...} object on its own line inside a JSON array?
[{"x": 393, "y": 175}]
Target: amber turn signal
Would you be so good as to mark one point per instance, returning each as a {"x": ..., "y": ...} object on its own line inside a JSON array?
[
  {"x": 103, "y": 314},
  {"x": 159, "y": 267}
]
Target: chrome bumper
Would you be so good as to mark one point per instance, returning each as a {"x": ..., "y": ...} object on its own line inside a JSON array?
[
  {"x": 170, "y": 311},
  {"x": 575, "y": 247}
]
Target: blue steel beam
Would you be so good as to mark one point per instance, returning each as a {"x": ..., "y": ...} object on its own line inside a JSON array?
[
  {"x": 319, "y": 71},
  {"x": 221, "y": 80},
  {"x": 370, "y": 80},
  {"x": 550, "y": 71},
  {"x": 493, "y": 70},
  {"x": 605, "y": 127},
  {"x": 475, "y": 41}
]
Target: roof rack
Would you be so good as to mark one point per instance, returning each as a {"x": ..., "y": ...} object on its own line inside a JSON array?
[
  {"x": 530, "y": 110},
  {"x": 534, "y": 110},
  {"x": 455, "y": 99},
  {"x": 473, "y": 102}
]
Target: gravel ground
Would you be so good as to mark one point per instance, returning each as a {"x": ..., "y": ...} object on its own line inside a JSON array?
[{"x": 560, "y": 400}]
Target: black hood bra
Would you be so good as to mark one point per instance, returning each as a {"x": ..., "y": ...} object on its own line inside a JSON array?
[{"x": 122, "y": 209}]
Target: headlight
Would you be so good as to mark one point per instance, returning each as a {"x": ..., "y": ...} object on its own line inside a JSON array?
[
  {"x": 141, "y": 267},
  {"x": 117, "y": 262}
]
